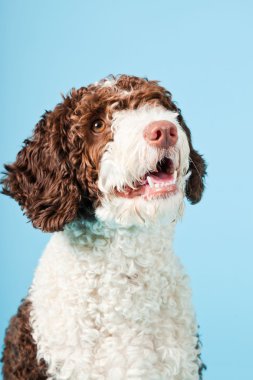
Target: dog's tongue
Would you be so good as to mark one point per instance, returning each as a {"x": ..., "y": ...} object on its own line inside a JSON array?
[{"x": 160, "y": 177}]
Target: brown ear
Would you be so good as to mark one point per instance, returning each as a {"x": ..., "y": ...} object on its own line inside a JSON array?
[
  {"x": 41, "y": 179},
  {"x": 195, "y": 185}
]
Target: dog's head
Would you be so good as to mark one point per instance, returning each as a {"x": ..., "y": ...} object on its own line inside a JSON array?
[{"x": 118, "y": 149}]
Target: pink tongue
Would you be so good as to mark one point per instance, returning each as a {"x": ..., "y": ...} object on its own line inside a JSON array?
[{"x": 161, "y": 177}]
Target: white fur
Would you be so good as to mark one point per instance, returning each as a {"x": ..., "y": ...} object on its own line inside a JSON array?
[
  {"x": 114, "y": 303},
  {"x": 110, "y": 81},
  {"x": 128, "y": 157},
  {"x": 110, "y": 300}
]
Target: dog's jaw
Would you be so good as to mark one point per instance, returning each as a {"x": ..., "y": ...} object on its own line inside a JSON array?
[{"x": 135, "y": 190}]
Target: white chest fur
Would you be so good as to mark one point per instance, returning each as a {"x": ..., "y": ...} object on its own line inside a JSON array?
[{"x": 114, "y": 304}]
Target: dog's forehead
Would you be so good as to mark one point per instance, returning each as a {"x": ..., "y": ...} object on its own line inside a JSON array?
[
  {"x": 125, "y": 92},
  {"x": 125, "y": 84}
]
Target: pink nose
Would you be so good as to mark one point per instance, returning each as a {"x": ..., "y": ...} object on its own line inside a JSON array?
[{"x": 161, "y": 134}]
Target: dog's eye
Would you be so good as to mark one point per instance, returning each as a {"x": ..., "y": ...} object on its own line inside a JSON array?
[{"x": 98, "y": 126}]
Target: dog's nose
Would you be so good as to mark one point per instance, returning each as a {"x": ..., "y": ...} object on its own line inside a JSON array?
[{"x": 161, "y": 134}]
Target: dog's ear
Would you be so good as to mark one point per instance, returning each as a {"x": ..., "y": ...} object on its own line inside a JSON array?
[
  {"x": 195, "y": 184},
  {"x": 42, "y": 179}
]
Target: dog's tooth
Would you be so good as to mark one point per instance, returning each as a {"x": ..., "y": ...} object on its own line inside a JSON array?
[
  {"x": 150, "y": 182},
  {"x": 175, "y": 175}
]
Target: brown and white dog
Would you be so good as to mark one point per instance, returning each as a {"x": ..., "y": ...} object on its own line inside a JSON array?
[{"x": 107, "y": 171}]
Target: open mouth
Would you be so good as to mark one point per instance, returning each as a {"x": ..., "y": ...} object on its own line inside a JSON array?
[{"x": 158, "y": 183}]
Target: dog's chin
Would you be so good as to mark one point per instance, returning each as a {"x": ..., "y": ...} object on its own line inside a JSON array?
[{"x": 162, "y": 205}]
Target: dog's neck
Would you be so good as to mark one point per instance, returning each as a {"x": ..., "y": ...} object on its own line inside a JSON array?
[{"x": 133, "y": 241}]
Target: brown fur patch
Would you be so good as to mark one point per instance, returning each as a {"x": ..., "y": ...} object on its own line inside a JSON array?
[{"x": 19, "y": 356}]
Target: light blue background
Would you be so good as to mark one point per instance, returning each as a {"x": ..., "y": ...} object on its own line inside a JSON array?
[{"x": 202, "y": 52}]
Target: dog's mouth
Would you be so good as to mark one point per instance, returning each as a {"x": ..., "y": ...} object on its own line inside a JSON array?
[{"x": 158, "y": 183}]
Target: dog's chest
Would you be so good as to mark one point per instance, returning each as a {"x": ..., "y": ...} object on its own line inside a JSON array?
[{"x": 113, "y": 309}]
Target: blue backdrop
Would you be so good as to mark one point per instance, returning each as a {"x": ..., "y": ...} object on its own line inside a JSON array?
[{"x": 202, "y": 52}]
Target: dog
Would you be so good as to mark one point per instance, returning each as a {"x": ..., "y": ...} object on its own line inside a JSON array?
[{"x": 107, "y": 171}]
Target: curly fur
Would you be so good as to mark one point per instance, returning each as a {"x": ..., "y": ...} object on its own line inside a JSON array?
[
  {"x": 54, "y": 178},
  {"x": 20, "y": 348},
  {"x": 109, "y": 299}
]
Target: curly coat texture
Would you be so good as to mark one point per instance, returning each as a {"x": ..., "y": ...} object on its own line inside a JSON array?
[{"x": 55, "y": 179}]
